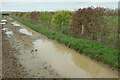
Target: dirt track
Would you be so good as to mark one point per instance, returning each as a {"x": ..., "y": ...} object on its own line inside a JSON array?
[
  {"x": 28, "y": 54},
  {"x": 11, "y": 68},
  {"x": 16, "y": 45}
]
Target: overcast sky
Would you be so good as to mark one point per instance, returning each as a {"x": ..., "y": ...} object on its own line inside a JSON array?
[
  {"x": 28, "y": 5},
  {"x": 59, "y": 0}
]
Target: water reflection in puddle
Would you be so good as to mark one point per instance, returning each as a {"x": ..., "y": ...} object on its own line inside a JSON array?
[
  {"x": 9, "y": 33},
  {"x": 25, "y": 31},
  {"x": 69, "y": 63},
  {"x": 4, "y": 29},
  {"x": 15, "y": 24},
  {"x": 10, "y": 18}
]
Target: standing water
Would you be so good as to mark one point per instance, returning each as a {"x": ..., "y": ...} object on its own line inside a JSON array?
[
  {"x": 69, "y": 63},
  {"x": 25, "y": 31}
]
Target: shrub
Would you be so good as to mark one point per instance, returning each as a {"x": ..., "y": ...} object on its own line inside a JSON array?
[
  {"x": 27, "y": 15},
  {"x": 34, "y": 17},
  {"x": 16, "y": 13},
  {"x": 21, "y": 14},
  {"x": 89, "y": 22},
  {"x": 62, "y": 19},
  {"x": 45, "y": 17},
  {"x": 109, "y": 12}
]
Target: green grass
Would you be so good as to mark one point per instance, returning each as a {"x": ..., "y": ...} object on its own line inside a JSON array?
[
  {"x": 95, "y": 50},
  {"x": 112, "y": 25},
  {"x": 112, "y": 21}
]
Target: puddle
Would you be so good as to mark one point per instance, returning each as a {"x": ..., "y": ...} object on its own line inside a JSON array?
[
  {"x": 25, "y": 31},
  {"x": 10, "y": 18},
  {"x": 15, "y": 24},
  {"x": 3, "y": 23},
  {"x": 65, "y": 61},
  {"x": 3, "y": 20},
  {"x": 4, "y": 29},
  {"x": 9, "y": 33},
  {"x": 31, "y": 31},
  {"x": 69, "y": 63}
]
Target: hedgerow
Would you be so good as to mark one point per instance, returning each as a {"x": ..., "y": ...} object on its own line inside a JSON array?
[
  {"x": 27, "y": 15},
  {"x": 62, "y": 19},
  {"x": 34, "y": 17},
  {"x": 45, "y": 17},
  {"x": 89, "y": 23}
]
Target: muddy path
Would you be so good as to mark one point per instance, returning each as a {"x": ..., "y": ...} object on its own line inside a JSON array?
[
  {"x": 10, "y": 62},
  {"x": 16, "y": 43},
  {"x": 28, "y": 54}
]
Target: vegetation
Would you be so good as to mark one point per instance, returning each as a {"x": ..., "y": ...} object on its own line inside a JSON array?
[
  {"x": 93, "y": 22},
  {"x": 62, "y": 19},
  {"x": 45, "y": 17},
  {"x": 34, "y": 17},
  {"x": 91, "y": 31},
  {"x": 112, "y": 22},
  {"x": 95, "y": 50},
  {"x": 27, "y": 15}
]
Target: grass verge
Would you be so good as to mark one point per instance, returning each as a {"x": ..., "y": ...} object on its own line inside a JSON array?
[{"x": 95, "y": 50}]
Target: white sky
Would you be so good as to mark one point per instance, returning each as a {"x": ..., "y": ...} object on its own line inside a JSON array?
[{"x": 59, "y": 0}]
